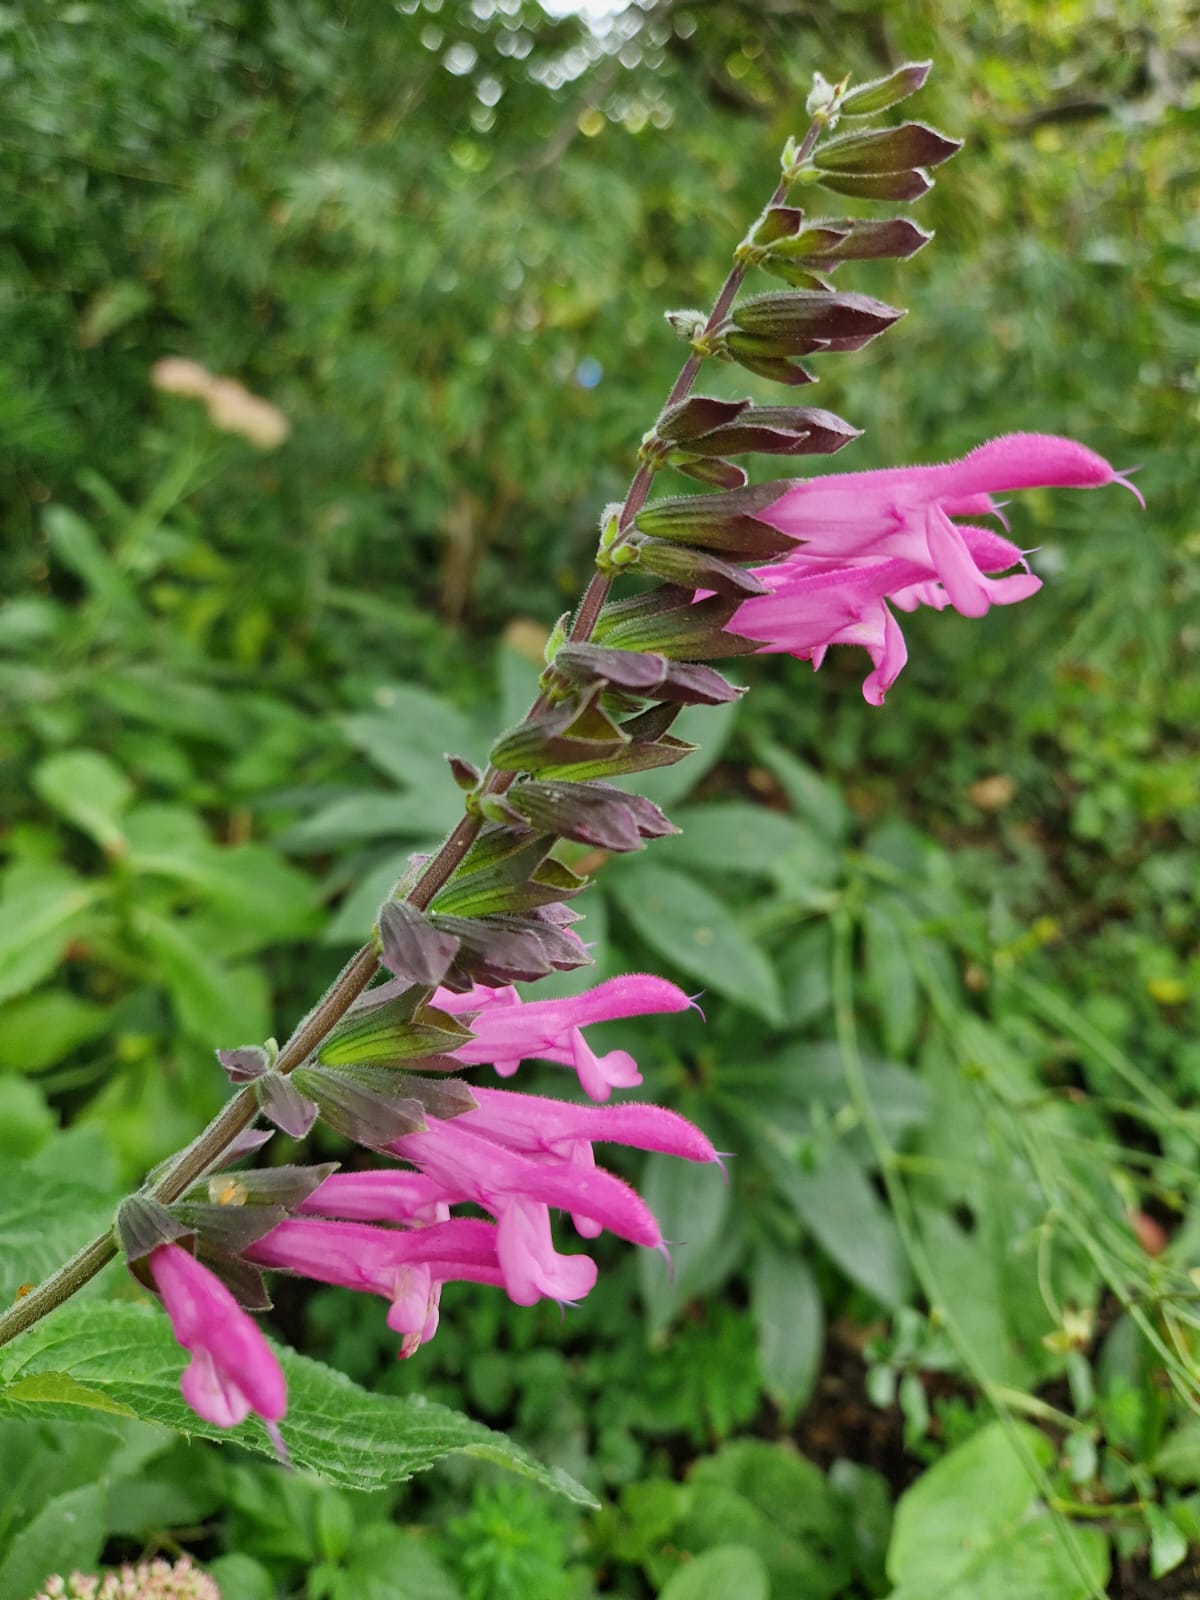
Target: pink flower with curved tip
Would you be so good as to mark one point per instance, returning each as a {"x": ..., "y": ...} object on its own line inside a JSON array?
[
  {"x": 867, "y": 539},
  {"x": 233, "y": 1370},
  {"x": 508, "y": 1030}
]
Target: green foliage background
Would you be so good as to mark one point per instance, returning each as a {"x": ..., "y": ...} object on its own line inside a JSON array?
[{"x": 440, "y": 237}]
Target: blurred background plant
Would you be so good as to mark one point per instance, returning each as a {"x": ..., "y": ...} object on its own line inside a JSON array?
[{"x": 950, "y": 1025}]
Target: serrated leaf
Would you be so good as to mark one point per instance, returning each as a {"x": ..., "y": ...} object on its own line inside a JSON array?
[
  {"x": 89, "y": 790},
  {"x": 696, "y": 933},
  {"x": 345, "y": 1434}
]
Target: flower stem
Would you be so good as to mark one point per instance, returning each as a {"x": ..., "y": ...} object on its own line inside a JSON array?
[{"x": 208, "y": 1150}]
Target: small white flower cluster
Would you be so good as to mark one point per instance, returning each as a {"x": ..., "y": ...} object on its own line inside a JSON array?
[{"x": 149, "y": 1580}]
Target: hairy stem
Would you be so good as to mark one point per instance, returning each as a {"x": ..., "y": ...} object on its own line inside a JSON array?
[{"x": 209, "y": 1149}]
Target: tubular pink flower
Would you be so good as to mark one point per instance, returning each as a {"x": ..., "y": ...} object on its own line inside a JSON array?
[
  {"x": 407, "y": 1269},
  {"x": 233, "y": 1370},
  {"x": 472, "y": 1167},
  {"x": 508, "y": 1030},
  {"x": 867, "y": 538}
]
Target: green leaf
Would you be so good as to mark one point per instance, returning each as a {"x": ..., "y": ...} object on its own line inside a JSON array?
[
  {"x": 888, "y": 935},
  {"x": 769, "y": 1497},
  {"x": 56, "y": 1388},
  {"x": 40, "y": 1029},
  {"x": 968, "y": 1529},
  {"x": 730, "y": 836},
  {"x": 35, "y": 927},
  {"x": 209, "y": 1002},
  {"x": 424, "y": 814},
  {"x": 347, "y": 1435},
  {"x": 89, "y": 790},
  {"x": 726, "y": 1570},
  {"x": 814, "y": 798},
  {"x": 410, "y": 736},
  {"x": 697, "y": 933},
  {"x": 43, "y": 1221},
  {"x": 692, "y": 1204},
  {"x": 848, "y": 1220},
  {"x": 76, "y": 545},
  {"x": 791, "y": 1325},
  {"x": 66, "y": 1535}
]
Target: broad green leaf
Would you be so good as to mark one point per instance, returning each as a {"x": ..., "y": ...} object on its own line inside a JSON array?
[
  {"x": 731, "y": 836},
  {"x": 985, "y": 1281},
  {"x": 89, "y": 790},
  {"x": 43, "y": 1221},
  {"x": 421, "y": 814},
  {"x": 410, "y": 736},
  {"x": 816, "y": 800},
  {"x": 346, "y": 1434},
  {"x": 148, "y": 693},
  {"x": 841, "y": 1210},
  {"x": 35, "y": 927},
  {"x": 209, "y": 1001},
  {"x": 692, "y": 1204},
  {"x": 241, "y": 1577},
  {"x": 77, "y": 546},
  {"x": 728, "y": 1570},
  {"x": 27, "y": 1121},
  {"x": 1178, "y": 1457},
  {"x": 66, "y": 1535},
  {"x": 968, "y": 1529},
  {"x": 37, "y": 1030},
  {"x": 697, "y": 933},
  {"x": 772, "y": 1499},
  {"x": 787, "y": 1310}
]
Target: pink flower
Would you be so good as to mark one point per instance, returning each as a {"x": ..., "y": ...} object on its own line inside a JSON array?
[
  {"x": 407, "y": 1267},
  {"x": 508, "y": 1030},
  {"x": 233, "y": 1370},
  {"x": 868, "y": 538}
]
